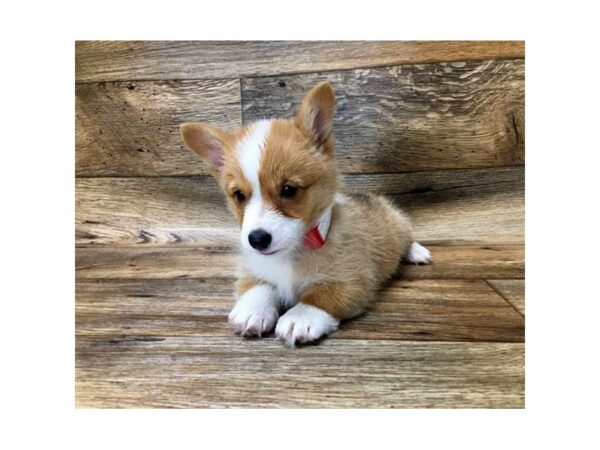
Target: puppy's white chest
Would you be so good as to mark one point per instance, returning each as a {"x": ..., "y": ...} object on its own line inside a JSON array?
[{"x": 278, "y": 271}]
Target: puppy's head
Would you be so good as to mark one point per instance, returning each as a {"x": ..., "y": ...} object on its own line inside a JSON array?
[{"x": 279, "y": 176}]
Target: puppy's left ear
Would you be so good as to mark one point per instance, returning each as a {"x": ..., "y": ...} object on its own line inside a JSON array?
[{"x": 315, "y": 117}]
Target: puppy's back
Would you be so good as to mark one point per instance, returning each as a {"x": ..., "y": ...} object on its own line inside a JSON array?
[{"x": 385, "y": 229}]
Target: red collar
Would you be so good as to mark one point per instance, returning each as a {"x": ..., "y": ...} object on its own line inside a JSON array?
[
  {"x": 313, "y": 238},
  {"x": 317, "y": 235}
]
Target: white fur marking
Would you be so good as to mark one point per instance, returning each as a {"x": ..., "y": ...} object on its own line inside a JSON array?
[
  {"x": 255, "y": 312},
  {"x": 285, "y": 232},
  {"x": 250, "y": 150},
  {"x": 305, "y": 323},
  {"x": 275, "y": 269},
  {"x": 417, "y": 254}
]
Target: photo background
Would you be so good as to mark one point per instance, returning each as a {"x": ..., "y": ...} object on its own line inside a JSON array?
[{"x": 436, "y": 126}]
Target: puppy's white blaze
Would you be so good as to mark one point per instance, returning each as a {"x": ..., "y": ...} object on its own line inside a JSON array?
[
  {"x": 251, "y": 216},
  {"x": 250, "y": 150},
  {"x": 249, "y": 153},
  {"x": 285, "y": 232}
]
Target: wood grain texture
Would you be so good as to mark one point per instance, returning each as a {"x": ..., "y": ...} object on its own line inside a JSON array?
[
  {"x": 438, "y": 310},
  {"x": 199, "y": 371},
  {"x": 447, "y": 207},
  {"x": 395, "y": 119},
  {"x": 411, "y": 118},
  {"x": 432, "y": 310},
  {"x": 152, "y": 210},
  {"x": 513, "y": 292},
  {"x": 178, "y": 261},
  {"x": 485, "y": 206},
  {"x": 157, "y": 60},
  {"x": 469, "y": 262},
  {"x": 132, "y": 128}
]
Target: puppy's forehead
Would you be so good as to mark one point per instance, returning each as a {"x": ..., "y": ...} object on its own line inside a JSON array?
[
  {"x": 249, "y": 150},
  {"x": 288, "y": 153},
  {"x": 269, "y": 149}
]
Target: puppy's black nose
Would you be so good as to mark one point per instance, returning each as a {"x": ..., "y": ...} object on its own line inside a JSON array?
[{"x": 259, "y": 239}]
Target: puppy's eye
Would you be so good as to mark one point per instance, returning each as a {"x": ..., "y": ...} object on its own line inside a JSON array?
[
  {"x": 288, "y": 191},
  {"x": 239, "y": 196}
]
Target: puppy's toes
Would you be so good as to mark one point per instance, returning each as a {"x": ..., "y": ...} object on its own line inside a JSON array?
[
  {"x": 303, "y": 324},
  {"x": 249, "y": 322}
]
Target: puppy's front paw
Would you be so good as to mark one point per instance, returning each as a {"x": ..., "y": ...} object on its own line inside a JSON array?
[
  {"x": 303, "y": 324},
  {"x": 255, "y": 312}
]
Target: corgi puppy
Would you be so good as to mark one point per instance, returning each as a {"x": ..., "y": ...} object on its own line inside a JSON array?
[{"x": 311, "y": 256}]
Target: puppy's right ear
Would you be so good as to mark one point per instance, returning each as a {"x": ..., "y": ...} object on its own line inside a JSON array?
[{"x": 207, "y": 142}]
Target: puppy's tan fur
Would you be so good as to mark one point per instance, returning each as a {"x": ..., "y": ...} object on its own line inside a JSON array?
[
  {"x": 364, "y": 249},
  {"x": 367, "y": 237}
]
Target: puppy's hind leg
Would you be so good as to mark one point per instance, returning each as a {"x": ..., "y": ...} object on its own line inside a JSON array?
[{"x": 417, "y": 254}]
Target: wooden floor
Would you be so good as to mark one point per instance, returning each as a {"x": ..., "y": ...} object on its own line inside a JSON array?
[{"x": 436, "y": 126}]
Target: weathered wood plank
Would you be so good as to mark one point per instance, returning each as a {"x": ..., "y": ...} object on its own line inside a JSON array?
[
  {"x": 469, "y": 262},
  {"x": 437, "y": 310},
  {"x": 199, "y": 371},
  {"x": 513, "y": 292},
  {"x": 457, "y": 207},
  {"x": 411, "y": 118},
  {"x": 157, "y": 60},
  {"x": 145, "y": 262},
  {"x": 132, "y": 128},
  {"x": 398, "y": 119},
  {"x": 152, "y": 210}
]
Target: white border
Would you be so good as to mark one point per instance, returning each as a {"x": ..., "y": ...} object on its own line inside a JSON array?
[{"x": 38, "y": 216}]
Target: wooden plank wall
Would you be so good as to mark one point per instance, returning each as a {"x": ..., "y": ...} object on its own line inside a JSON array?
[{"x": 436, "y": 126}]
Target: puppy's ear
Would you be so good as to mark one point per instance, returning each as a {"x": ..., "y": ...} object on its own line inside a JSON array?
[
  {"x": 207, "y": 142},
  {"x": 315, "y": 116}
]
